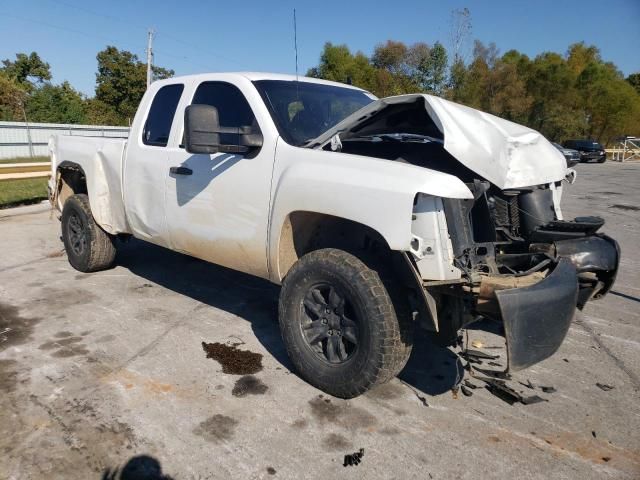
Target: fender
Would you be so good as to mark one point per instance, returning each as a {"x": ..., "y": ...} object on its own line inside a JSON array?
[
  {"x": 101, "y": 169},
  {"x": 377, "y": 193}
]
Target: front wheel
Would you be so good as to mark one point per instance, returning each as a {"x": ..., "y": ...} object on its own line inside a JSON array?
[
  {"x": 339, "y": 324},
  {"x": 89, "y": 248}
]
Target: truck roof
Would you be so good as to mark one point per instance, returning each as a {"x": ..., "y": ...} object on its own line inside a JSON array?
[{"x": 254, "y": 76}]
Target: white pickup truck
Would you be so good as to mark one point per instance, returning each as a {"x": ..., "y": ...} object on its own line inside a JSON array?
[{"x": 375, "y": 216}]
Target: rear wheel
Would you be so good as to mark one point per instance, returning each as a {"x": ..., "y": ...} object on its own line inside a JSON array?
[
  {"x": 89, "y": 248},
  {"x": 339, "y": 324}
]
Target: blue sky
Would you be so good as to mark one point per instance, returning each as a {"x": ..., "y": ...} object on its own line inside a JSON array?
[{"x": 196, "y": 36}]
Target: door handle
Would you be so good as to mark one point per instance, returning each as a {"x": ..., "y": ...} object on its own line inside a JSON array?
[{"x": 181, "y": 170}]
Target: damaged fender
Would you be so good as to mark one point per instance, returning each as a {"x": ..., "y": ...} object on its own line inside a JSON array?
[{"x": 373, "y": 192}]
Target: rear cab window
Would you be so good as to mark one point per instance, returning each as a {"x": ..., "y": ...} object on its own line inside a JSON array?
[{"x": 161, "y": 114}]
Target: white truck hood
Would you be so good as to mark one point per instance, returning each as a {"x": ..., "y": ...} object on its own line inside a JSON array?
[{"x": 506, "y": 154}]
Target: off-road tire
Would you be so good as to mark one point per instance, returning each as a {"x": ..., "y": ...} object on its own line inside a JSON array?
[
  {"x": 384, "y": 342},
  {"x": 98, "y": 250}
]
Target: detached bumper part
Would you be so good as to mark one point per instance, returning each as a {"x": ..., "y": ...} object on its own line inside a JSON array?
[
  {"x": 596, "y": 259},
  {"x": 536, "y": 318}
]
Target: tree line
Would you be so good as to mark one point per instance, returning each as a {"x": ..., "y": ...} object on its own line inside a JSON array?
[
  {"x": 571, "y": 95},
  {"x": 26, "y": 91}
]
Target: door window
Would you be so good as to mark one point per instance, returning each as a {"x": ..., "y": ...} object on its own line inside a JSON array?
[
  {"x": 163, "y": 109},
  {"x": 233, "y": 109}
]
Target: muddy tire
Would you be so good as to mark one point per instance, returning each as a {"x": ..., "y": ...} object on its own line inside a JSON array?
[
  {"x": 339, "y": 324},
  {"x": 89, "y": 248}
]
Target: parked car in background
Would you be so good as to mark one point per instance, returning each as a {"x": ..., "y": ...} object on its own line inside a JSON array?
[
  {"x": 571, "y": 156},
  {"x": 589, "y": 150}
]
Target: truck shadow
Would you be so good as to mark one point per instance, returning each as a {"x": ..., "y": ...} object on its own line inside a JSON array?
[{"x": 431, "y": 369}]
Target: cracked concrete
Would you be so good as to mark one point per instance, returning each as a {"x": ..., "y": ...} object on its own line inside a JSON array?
[{"x": 102, "y": 375}]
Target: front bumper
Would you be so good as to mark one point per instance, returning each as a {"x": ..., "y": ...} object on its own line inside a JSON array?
[
  {"x": 589, "y": 157},
  {"x": 536, "y": 317}
]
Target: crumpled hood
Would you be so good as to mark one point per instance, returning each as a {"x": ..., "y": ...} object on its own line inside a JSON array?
[{"x": 507, "y": 154}]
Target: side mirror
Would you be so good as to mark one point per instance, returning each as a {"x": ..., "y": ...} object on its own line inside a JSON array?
[
  {"x": 201, "y": 129},
  {"x": 202, "y": 132}
]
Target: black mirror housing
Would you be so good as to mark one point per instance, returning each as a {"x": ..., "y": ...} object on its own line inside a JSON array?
[
  {"x": 201, "y": 129},
  {"x": 202, "y": 132}
]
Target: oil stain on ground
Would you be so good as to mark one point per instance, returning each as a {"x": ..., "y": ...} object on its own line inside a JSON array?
[
  {"x": 217, "y": 428},
  {"x": 8, "y": 376},
  {"x": 65, "y": 345},
  {"x": 233, "y": 360},
  {"x": 14, "y": 328},
  {"x": 343, "y": 414},
  {"x": 248, "y": 385},
  {"x": 335, "y": 441}
]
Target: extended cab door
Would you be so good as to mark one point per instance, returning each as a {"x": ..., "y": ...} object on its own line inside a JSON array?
[
  {"x": 146, "y": 167},
  {"x": 217, "y": 205}
]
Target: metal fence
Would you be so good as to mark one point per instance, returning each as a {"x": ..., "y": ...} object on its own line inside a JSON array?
[{"x": 22, "y": 139}]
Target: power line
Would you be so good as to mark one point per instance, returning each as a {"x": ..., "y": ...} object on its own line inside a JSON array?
[
  {"x": 121, "y": 20},
  {"x": 109, "y": 41}
]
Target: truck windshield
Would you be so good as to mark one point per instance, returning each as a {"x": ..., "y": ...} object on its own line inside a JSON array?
[{"x": 304, "y": 110}]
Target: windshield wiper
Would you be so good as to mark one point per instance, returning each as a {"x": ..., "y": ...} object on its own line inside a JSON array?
[{"x": 400, "y": 137}]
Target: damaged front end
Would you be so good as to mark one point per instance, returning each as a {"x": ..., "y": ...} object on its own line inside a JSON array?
[
  {"x": 524, "y": 267},
  {"x": 505, "y": 254}
]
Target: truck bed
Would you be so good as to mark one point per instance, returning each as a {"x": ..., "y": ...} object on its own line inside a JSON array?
[{"x": 100, "y": 161}]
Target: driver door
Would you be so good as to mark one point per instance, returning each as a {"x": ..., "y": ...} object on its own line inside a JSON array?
[{"x": 217, "y": 205}]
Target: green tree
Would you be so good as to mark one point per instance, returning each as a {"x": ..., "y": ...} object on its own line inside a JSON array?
[
  {"x": 121, "y": 81},
  {"x": 12, "y": 96},
  {"x": 634, "y": 81},
  {"x": 27, "y": 70},
  {"x": 428, "y": 66},
  {"x": 395, "y": 65},
  {"x": 338, "y": 64},
  {"x": 611, "y": 103},
  {"x": 56, "y": 104}
]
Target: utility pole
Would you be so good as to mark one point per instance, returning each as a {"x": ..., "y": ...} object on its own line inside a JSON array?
[{"x": 149, "y": 55}]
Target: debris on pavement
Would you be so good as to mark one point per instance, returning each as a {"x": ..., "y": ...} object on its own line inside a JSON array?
[
  {"x": 509, "y": 395},
  {"x": 466, "y": 391},
  {"x": 422, "y": 399},
  {"x": 604, "y": 387},
  {"x": 528, "y": 384},
  {"x": 353, "y": 459},
  {"x": 477, "y": 344},
  {"x": 454, "y": 392},
  {"x": 479, "y": 355},
  {"x": 233, "y": 360},
  {"x": 469, "y": 384},
  {"x": 548, "y": 389}
]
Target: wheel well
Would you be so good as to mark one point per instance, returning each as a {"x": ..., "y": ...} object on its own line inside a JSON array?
[
  {"x": 304, "y": 232},
  {"x": 71, "y": 181}
]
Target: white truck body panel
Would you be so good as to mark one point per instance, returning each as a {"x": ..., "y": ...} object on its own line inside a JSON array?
[
  {"x": 101, "y": 159},
  {"x": 376, "y": 193}
]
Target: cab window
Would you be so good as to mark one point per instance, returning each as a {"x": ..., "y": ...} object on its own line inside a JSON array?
[{"x": 160, "y": 117}]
